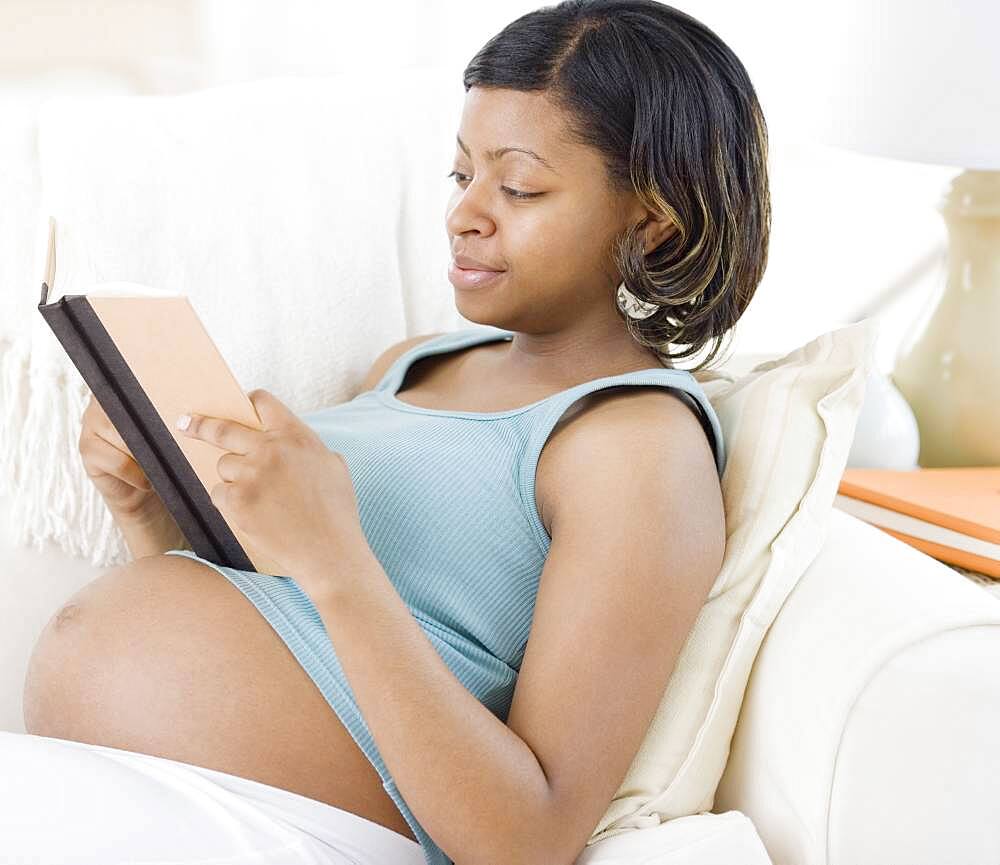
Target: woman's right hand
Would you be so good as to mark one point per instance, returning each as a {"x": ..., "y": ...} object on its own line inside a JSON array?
[{"x": 113, "y": 470}]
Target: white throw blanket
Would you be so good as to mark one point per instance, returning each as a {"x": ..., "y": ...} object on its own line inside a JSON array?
[{"x": 304, "y": 217}]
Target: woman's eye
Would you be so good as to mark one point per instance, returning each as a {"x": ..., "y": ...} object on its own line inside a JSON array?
[{"x": 513, "y": 193}]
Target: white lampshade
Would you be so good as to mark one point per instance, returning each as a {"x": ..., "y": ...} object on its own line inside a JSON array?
[{"x": 911, "y": 79}]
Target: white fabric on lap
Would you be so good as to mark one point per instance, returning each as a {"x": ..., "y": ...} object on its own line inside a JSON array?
[{"x": 72, "y": 803}]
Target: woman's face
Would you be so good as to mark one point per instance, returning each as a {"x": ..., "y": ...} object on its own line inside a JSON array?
[{"x": 549, "y": 224}]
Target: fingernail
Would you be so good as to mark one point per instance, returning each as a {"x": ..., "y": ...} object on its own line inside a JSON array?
[{"x": 184, "y": 421}]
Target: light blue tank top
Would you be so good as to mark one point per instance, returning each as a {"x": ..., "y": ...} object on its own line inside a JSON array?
[{"x": 447, "y": 504}]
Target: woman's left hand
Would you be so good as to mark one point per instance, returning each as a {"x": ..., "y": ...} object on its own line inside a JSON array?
[{"x": 283, "y": 488}]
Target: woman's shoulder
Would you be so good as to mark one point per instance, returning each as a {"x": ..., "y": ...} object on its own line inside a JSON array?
[
  {"x": 627, "y": 423},
  {"x": 390, "y": 355}
]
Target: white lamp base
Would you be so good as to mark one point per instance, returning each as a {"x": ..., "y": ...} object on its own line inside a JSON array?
[{"x": 948, "y": 368}]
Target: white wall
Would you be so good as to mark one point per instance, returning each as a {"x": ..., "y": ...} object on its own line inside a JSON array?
[{"x": 846, "y": 227}]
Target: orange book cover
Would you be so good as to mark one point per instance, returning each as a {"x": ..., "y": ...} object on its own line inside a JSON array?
[{"x": 965, "y": 499}]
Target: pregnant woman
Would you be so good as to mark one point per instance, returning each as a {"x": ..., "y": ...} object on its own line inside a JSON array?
[{"x": 492, "y": 556}]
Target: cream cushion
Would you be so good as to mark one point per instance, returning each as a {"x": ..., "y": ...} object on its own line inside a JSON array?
[
  {"x": 788, "y": 425},
  {"x": 698, "y": 839}
]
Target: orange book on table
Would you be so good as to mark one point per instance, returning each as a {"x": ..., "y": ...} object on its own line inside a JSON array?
[{"x": 951, "y": 513}]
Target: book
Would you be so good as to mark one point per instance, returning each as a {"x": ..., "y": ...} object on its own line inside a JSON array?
[
  {"x": 952, "y": 513},
  {"x": 147, "y": 358}
]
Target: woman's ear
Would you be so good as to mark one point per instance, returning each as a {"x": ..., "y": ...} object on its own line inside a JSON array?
[{"x": 655, "y": 229}]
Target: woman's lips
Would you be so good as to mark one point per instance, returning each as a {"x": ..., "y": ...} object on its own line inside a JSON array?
[{"x": 462, "y": 277}]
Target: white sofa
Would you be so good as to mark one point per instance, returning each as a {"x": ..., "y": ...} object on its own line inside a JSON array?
[{"x": 870, "y": 728}]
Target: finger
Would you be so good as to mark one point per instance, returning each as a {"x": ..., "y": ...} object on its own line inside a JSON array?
[
  {"x": 226, "y": 434},
  {"x": 102, "y": 427},
  {"x": 272, "y": 412},
  {"x": 96, "y": 409},
  {"x": 228, "y": 467},
  {"x": 111, "y": 437},
  {"x": 104, "y": 436},
  {"x": 102, "y": 457},
  {"x": 218, "y": 496}
]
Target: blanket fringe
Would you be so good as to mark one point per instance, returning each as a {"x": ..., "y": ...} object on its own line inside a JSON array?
[
  {"x": 52, "y": 498},
  {"x": 13, "y": 407}
]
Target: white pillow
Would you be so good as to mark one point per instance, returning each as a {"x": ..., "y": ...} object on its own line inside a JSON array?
[
  {"x": 304, "y": 217},
  {"x": 788, "y": 426},
  {"x": 699, "y": 839}
]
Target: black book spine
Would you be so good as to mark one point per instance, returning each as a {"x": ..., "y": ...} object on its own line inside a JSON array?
[{"x": 78, "y": 328}]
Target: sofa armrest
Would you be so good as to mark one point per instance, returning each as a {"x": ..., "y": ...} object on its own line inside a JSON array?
[{"x": 869, "y": 728}]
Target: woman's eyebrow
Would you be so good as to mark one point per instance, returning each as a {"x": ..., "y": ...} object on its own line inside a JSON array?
[{"x": 500, "y": 151}]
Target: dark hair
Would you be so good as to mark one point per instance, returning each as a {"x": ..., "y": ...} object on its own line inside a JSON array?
[{"x": 676, "y": 119}]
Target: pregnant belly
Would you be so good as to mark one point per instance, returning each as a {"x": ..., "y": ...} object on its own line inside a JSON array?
[{"x": 164, "y": 656}]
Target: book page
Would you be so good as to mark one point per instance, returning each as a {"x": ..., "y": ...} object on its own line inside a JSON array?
[{"x": 68, "y": 270}]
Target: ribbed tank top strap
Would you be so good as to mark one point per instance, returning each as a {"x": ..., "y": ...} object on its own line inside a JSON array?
[
  {"x": 393, "y": 376},
  {"x": 545, "y": 417}
]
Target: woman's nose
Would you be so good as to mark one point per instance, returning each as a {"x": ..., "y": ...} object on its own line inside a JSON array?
[{"x": 467, "y": 211}]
